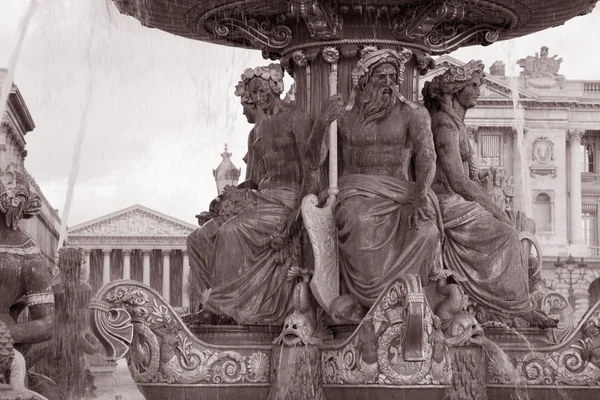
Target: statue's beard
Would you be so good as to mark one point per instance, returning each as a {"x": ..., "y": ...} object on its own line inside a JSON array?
[{"x": 374, "y": 105}]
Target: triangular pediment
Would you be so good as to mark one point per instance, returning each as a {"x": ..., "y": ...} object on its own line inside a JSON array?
[
  {"x": 495, "y": 88},
  {"x": 133, "y": 221}
]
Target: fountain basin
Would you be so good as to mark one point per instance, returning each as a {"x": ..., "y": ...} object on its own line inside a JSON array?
[{"x": 368, "y": 361}]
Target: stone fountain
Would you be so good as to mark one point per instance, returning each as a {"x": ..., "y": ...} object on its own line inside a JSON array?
[{"x": 409, "y": 329}]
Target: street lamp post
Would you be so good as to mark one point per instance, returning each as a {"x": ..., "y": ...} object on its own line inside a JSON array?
[{"x": 570, "y": 280}]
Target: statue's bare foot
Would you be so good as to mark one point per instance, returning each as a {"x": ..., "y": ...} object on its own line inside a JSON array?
[{"x": 540, "y": 320}]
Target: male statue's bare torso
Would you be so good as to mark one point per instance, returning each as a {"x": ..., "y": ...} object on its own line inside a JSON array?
[{"x": 384, "y": 149}]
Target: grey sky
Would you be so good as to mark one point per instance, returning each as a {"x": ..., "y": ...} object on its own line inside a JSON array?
[{"x": 162, "y": 106}]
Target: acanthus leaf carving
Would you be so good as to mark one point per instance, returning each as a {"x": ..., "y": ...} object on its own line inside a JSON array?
[
  {"x": 446, "y": 26},
  {"x": 260, "y": 34}
]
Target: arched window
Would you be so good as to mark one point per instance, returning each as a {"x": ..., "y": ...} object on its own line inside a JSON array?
[{"x": 542, "y": 212}]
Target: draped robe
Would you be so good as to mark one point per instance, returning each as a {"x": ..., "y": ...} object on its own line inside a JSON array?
[{"x": 375, "y": 243}]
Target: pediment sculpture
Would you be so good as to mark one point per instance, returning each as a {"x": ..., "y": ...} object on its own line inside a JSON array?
[{"x": 135, "y": 222}]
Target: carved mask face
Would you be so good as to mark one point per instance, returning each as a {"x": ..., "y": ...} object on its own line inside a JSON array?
[
  {"x": 297, "y": 330},
  {"x": 384, "y": 77},
  {"x": 467, "y": 97},
  {"x": 261, "y": 93}
]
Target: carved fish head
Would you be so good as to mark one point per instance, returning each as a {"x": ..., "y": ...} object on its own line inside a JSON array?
[
  {"x": 462, "y": 329},
  {"x": 298, "y": 330}
]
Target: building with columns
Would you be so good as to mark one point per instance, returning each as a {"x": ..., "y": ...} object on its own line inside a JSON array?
[
  {"x": 140, "y": 244},
  {"x": 544, "y": 131}
]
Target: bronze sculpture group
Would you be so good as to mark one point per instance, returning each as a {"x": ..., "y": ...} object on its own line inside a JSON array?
[
  {"x": 405, "y": 202},
  {"x": 405, "y": 206}
]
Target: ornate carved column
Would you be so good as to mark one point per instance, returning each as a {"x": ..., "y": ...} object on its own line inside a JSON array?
[
  {"x": 166, "y": 278},
  {"x": 146, "y": 268},
  {"x": 185, "y": 295},
  {"x": 127, "y": 264},
  {"x": 106, "y": 266},
  {"x": 574, "y": 139}
]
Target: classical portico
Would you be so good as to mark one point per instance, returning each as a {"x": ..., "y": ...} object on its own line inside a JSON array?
[{"x": 140, "y": 244}]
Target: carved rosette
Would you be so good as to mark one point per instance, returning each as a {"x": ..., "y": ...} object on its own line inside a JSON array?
[
  {"x": 399, "y": 326},
  {"x": 331, "y": 55},
  {"x": 300, "y": 58},
  {"x": 129, "y": 317}
]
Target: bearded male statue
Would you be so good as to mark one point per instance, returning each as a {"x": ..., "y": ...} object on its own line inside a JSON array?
[{"x": 386, "y": 215}]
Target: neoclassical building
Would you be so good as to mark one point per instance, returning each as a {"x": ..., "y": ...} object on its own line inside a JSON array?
[
  {"x": 145, "y": 245},
  {"x": 140, "y": 244},
  {"x": 544, "y": 130}
]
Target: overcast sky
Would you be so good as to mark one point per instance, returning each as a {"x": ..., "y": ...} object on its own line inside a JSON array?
[{"x": 162, "y": 107}]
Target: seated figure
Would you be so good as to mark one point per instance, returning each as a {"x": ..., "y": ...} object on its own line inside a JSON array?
[
  {"x": 482, "y": 245},
  {"x": 386, "y": 215},
  {"x": 234, "y": 262},
  {"x": 26, "y": 272}
]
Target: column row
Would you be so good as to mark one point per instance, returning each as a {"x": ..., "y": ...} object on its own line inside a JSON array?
[{"x": 165, "y": 286}]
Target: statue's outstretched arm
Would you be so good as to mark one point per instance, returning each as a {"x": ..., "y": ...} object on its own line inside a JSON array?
[{"x": 448, "y": 154}]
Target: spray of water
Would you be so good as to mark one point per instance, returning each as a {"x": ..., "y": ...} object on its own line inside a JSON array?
[
  {"x": 503, "y": 364},
  {"x": 14, "y": 56},
  {"x": 77, "y": 146},
  {"x": 521, "y": 180}
]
